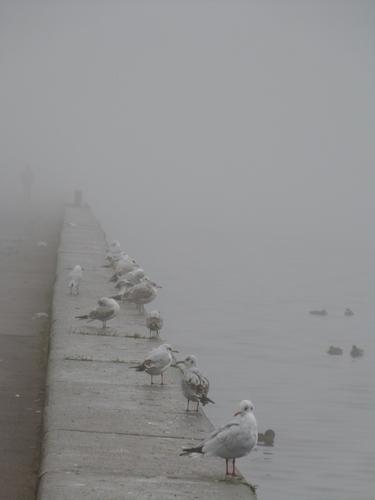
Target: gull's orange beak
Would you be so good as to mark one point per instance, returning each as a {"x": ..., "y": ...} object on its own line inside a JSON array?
[{"x": 237, "y": 413}]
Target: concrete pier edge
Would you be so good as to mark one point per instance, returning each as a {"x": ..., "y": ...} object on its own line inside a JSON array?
[{"x": 109, "y": 434}]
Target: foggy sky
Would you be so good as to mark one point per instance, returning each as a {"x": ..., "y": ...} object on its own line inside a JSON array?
[{"x": 239, "y": 113}]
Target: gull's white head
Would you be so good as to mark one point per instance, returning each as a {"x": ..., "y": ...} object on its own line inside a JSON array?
[
  {"x": 167, "y": 347},
  {"x": 190, "y": 361},
  {"x": 245, "y": 406},
  {"x": 106, "y": 301}
]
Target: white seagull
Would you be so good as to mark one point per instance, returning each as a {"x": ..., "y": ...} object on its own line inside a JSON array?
[
  {"x": 124, "y": 266},
  {"x": 141, "y": 294},
  {"x": 106, "y": 309},
  {"x": 154, "y": 322},
  {"x": 75, "y": 279},
  {"x": 194, "y": 384},
  {"x": 234, "y": 440},
  {"x": 157, "y": 361}
]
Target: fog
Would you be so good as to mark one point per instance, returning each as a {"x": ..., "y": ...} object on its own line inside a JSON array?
[{"x": 224, "y": 143}]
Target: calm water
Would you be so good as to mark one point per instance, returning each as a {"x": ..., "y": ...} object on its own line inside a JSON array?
[{"x": 242, "y": 308}]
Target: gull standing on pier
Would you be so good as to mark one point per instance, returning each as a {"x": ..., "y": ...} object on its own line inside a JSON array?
[
  {"x": 106, "y": 309},
  {"x": 154, "y": 322},
  {"x": 194, "y": 384},
  {"x": 123, "y": 266},
  {"x": 157, "y": 361},
  {"x": 75, "y": 279},
  {"x": 141, "y": 294},
  {"x": 234, "y": 440}
]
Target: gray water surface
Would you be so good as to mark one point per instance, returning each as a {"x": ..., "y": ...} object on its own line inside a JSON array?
[{"x": 243, "y": 310}]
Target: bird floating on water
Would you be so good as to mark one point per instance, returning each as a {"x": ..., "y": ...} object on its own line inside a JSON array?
[
  {"x": 194, "y": 384},
  {"x": 106, "y": 309},
  {"x": 157, "y": 361},
  {"x": 335, "y": 351},
  {"x": 267, "y": 438},
  {"x": 319, "y": 312},
  {"x": 348, "y": 312},
  {"x": 234, "y": 440},
  {"x": 356, "y": 352}
]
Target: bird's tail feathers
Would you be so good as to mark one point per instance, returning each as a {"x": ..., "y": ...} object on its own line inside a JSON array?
[
  {"x": 188, "y": 451},
  {"x": 116, "y": 297},
  {"x": 204, "y": 400},
  {"x": 139, "y": 368}
]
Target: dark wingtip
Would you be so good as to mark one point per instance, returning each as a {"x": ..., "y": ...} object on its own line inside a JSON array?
[{"x": 204, "y": 400}]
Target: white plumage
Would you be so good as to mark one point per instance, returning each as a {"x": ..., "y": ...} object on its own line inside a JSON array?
[
  {"x": 157, "y": 361},
  {"x": 234, "y": 440},
  {"x": 75, "y": 277},
  {"x": 143, "y": 293},
  {"x": 106, "y": 309},
  {"x": 154, "y": 322},
  {"x": 194, "y": 384}
]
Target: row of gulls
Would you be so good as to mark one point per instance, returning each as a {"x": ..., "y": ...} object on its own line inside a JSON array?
[{"x": 232, "y": 441}]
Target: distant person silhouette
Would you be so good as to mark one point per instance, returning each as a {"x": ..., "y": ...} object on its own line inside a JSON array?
[{"x": 27, "y": 180}]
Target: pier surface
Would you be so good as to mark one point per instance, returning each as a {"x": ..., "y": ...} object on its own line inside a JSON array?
[{"x": 109, "y": 434}]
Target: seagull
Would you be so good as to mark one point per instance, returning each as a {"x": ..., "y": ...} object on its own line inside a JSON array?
[
  {"x": 135, "y": 277},
  {"x": 114, "y": 252},
  {"x": 75, "y": 279},
  {"x": 124, "y": 266},
  {"x": 141, "y": 294},
  {"x": 234, "y": 440},
  {"x": 154, "y": 322},
  {"x": 157, "y": 361},
  {"x": 107, "y": 309},
  {"x": 194, "y": 384}
]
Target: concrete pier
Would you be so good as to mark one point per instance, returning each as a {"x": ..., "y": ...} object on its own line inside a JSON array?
[{"x": 109, "y": 434}]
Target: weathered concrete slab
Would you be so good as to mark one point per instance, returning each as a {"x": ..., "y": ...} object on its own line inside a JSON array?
[
  {"x": 109, "y": 434},
  {"x": 69, "y": 485}
]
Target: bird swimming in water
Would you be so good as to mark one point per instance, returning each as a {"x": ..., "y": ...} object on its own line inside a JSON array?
[
  {"x": 106, "y": 309},
  {"x": 194, "y": 384},
  {"x": 335, "y": 351},
  {"x": 319, "y": 312},
  {"x": 267, "y": 438},
  {"x": 231, "y": 441},
  {"x": 356, "y": 352}
]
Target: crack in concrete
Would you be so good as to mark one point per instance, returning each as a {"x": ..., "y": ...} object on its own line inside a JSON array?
[{"x": 135, "y": 434}]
